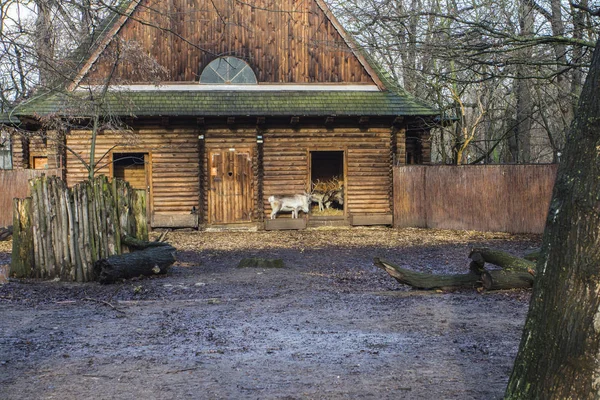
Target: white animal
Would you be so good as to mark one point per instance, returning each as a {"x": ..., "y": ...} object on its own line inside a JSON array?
[
  {"x": 318, "y": 197},
  {"x": 293, "y": 203}
]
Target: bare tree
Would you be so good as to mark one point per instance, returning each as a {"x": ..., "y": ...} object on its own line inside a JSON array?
[{"x": 528, "y": 48}]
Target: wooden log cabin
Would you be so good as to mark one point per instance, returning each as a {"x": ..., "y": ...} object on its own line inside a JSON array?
[{"x": 221, "y": 104}]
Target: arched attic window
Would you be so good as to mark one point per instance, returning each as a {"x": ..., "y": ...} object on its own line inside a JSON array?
[{"x": 228, "y": 70}]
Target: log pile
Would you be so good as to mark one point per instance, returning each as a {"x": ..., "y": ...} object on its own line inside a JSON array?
[{"x": 515, "y": 273}]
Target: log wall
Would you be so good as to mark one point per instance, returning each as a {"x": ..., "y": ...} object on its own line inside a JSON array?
[
  {"x": 280, "y": 166},
  {"x": 284, "y": 41},
  {"x": 495, "y": 198},
  {"x": 368, "y": 175},
  {"x": 173, "y": 163},
  {"x": 15, "y": 184}
]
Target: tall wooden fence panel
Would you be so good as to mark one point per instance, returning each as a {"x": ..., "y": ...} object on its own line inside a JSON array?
[
  {"x": 14, "y": 183},
  {"x": 62, "y": 232},
  {"x": 493, "y": 198}
]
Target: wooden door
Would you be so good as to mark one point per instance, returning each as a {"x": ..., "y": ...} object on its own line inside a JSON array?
[{"x": 230, "y": 198}]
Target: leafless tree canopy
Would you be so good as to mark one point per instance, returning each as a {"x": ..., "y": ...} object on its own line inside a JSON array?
[
  {"x": 505, "y": 75},
  {"x": 509, "y": 72}
]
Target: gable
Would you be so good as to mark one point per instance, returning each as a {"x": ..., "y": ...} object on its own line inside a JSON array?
[{"x": 284, "y": 41}]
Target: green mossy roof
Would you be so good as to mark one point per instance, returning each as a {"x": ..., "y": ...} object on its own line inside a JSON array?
[
  {"x": 392, "y": 102},
  {"x": 8, "y": 119},
  {"x": 231, "y": 103}
]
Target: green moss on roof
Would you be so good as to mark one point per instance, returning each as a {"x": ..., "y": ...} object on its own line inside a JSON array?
[
  {"x": 8, "y": 119},
  {"x": 231, "y": 103}
]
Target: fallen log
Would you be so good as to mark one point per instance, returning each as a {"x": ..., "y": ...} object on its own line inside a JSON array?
[
  {"x": 502, "y": 280},
  {"x": 534, "y": 255},
  {"x": 5, "y": 233},
  {"x": 420, "y": 280},
  {"x": 478, "y": 277},
  {"x": 147, "y": 262},
  {"x": 502, "y": 259}
]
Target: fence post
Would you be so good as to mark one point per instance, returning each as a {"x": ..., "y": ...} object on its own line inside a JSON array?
[
  {"x": 22, "y": 261},
  {"x": 139, "y": 210}
]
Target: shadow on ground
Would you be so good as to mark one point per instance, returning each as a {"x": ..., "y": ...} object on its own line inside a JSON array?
[{"x": 328, "y": 326}]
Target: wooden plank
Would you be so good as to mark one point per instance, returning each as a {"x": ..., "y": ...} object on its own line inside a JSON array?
[
  {"x": 371, "y": 219},
  {"x": 281, "y": 44},
  {"x": 508, "y": 198},
  {"x": 279, "y": 224},
  {"x": 174, "y": 221},
  {"x": 15, "y": 184}
]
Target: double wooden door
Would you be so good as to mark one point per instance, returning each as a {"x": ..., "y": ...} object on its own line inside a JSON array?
[{"x": 231, "y": 189}]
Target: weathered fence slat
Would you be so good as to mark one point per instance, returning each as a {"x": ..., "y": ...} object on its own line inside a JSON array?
[
  {"x": 67, "y": 230},
  {"x": 22, "y": 255}
]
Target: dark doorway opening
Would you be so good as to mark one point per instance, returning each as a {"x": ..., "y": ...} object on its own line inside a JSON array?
[
  {"x": 131, "y": 167},
  {"x": 327, "y": 182}
]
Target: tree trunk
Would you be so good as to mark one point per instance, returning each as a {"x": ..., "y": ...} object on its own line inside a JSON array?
[
  {"x": 559, "y": 353},
  {"x": 420, "y": 280},
  {"x": 524, "y": 100},
  {"x": 503, "y": 280},
  {"x": 502, "y": 259},
  {"x": 147, "y": 262},
  {"x": 44, "y": 41}
]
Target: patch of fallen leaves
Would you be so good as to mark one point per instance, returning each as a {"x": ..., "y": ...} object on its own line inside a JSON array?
[
  {"x": 328, "y": 237},
  {"x": 6, "y": 246}
]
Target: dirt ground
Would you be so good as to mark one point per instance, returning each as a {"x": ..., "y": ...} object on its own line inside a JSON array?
[{"x": 328, "y": 326}]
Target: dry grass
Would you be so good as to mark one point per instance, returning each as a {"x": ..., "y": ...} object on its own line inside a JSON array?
[{"x": 328, "y": 212}]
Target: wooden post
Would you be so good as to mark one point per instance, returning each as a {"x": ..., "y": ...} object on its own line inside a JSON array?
[
  {"x": 139, "y": 210},
  {"x": 38, "y": 249},
  {"x": 22, "y": 262}
]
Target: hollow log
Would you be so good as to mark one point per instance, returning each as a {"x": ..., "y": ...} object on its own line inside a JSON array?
[
  {"x": 420, "y": 280},
  {"x": 147, "y": 262},
  {"x": 501, "y": 280},
  {"x": 502, "y": 259}
]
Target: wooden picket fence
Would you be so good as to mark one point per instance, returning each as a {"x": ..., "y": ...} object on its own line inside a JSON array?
[{"x": 60, "y": 232}]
